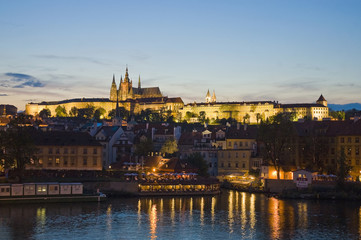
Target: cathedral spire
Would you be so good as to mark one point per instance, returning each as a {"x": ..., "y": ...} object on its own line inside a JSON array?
[
  {"x": 126, "y": 78},
  {"x": 139, "y": 83},
  {"x": 113, "y": 90},
  {"x": 208, "y": 97},
  {"x": 213, "y": 100}
]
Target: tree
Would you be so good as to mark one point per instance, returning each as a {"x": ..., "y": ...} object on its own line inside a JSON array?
[
  {"x": 314, "y": 147},
  {"x": 339, "y": 115},
  {"x": 17, "y": 149},
  {"x": 143, "y": 148},
  {"x": 202, "y": 117},
  {"x": 258, "y": 117},
  {"x": 246, "y": 118},
  {"x": 45, "y": 113},
  {"x": 60, "y": 111},
  {"x": 169, "y": 147},
  {"x": 275, "y": 134},
  {"x": 99, "y": 113},
  {"x": 87, "y": 112},
  {"x": 197, "y": 161},
  {"x": 73, "y": 112},
  {"x": 343, "y": 168}
]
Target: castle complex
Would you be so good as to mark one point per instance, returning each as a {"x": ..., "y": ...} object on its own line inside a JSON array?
[
  {"x": 137, "y": 99},
  {"x": 132, "y": 99}
]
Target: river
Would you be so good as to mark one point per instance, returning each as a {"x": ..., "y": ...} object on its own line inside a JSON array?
[{"x": 231, "y": 215}]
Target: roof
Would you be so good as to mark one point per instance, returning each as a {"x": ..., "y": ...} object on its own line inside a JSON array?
[
  {"x": 148, "y": 92},
  {"x": 187, "y": 138},
  {"x": 303, "y": 105},
  {"x": 76, "y": 100},
  {"x": 175, "y": 100},
  {"x": 108, "y": 131},
  {"x": 248, "y": 132},
  {"x": 58, "y": 138},
  {"x": 321, "y": 98}
]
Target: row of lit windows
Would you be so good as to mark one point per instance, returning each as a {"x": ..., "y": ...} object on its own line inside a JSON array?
[
  {"x": 236, "y": 144},
  {"x": 349, "y": 139},
  {"x": 68, "y": 151},
  {"x": 66, "y": 161},
  {"x": 244, "y": 155},
  {"x": 236, "y": 165}
]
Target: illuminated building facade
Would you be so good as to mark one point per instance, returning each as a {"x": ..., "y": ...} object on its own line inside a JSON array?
[
  {"x": 132, "y": 99},
  {"x": 252, "y": 112},
  {"x": 66, "y": 151}
]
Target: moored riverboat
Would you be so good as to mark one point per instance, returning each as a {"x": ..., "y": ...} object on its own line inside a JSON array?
[{"x": 46, "y": 192}]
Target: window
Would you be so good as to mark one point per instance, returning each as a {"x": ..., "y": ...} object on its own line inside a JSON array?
[
  {"x": 65, "y": 161},
  {"x": 229, "y": 144},
  {"x": 236, "y": 154},
  {"x": 57, "y": 161},
  {"x": 357, "y": 161},
  {"x": 95, "y": 161},
  {"x": 348, "y": 139},
  {"x": 357, "y": 151},
  {"x": 40, "y": 161},
  {"x": 222, "y": 164},
  {"x": 95, "y": 151},
  {"x": 210, "y": 165},
  {"x": 243, "y": 155},
  {"x": 349, "y": 150},
  {"x": 332, "y": 150},
  {"x": 50, "y": 161},
  {"x": 57, "y": 151},
  {"x": 50, "y": 151},
  {"x": 240, "y": 144},
  {"x": 243, "y": 165},
  {"x": 357, "y": 139},
  {"x": 229, "y": 164},
  {"x": 246, "y": 144},
  {"x": 72, "y": 161},
  {"x": 85, "y": 151},
  {"x": 65, "y": 151},
  {"x": 342, "y": 140},
  {"x": 237, "y": 165},
  {"x": 72, "y": 151},
  {"x": 229, "y": 155},
  {"x": 85, "y": 161}
]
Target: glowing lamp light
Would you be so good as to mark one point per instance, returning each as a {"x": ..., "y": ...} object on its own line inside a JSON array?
[
  {"x": 110, "y": 167},
  {"x": 274, "y": 173},
  {"x": 153, "y": 169}
]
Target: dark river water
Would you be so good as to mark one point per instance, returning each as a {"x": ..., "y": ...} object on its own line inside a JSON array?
[{"x": 231, "y": 215}]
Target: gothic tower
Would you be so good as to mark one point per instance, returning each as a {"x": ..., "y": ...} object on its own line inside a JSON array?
[
  {"x": 208, "y": 97},
  {"x": 126, "y": 88},
  {"x": 113, "y": 90},
  {"x": 213, "y": 100}
]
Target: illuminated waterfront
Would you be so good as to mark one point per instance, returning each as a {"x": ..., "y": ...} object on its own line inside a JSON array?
[{"x": 231, "y": 215}]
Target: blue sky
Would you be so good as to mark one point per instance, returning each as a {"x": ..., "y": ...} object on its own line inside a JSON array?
[{"x": 289, "y": 51}]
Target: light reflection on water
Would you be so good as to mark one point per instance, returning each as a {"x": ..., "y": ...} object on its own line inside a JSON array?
[{"x": 232, "y": 215}]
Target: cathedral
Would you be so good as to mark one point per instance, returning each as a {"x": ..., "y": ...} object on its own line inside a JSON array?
[
  {"x": 133, "y": 99},
  {"x": 127, "y": 91}
]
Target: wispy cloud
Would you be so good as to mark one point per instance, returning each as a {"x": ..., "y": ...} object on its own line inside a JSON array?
[
  {"x": 71, "y": 58},
  {"x": 19, "y": 80}
]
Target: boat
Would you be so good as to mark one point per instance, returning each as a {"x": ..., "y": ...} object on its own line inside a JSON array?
[{"x": 46, "y": 192}]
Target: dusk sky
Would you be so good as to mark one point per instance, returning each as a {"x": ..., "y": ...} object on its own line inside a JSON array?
[{"x": 288, "y": 51}]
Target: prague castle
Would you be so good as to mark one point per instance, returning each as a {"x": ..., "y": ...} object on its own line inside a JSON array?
[
  {"x": 137, "y": 99},
  {"x": 132, "y": 99}
]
